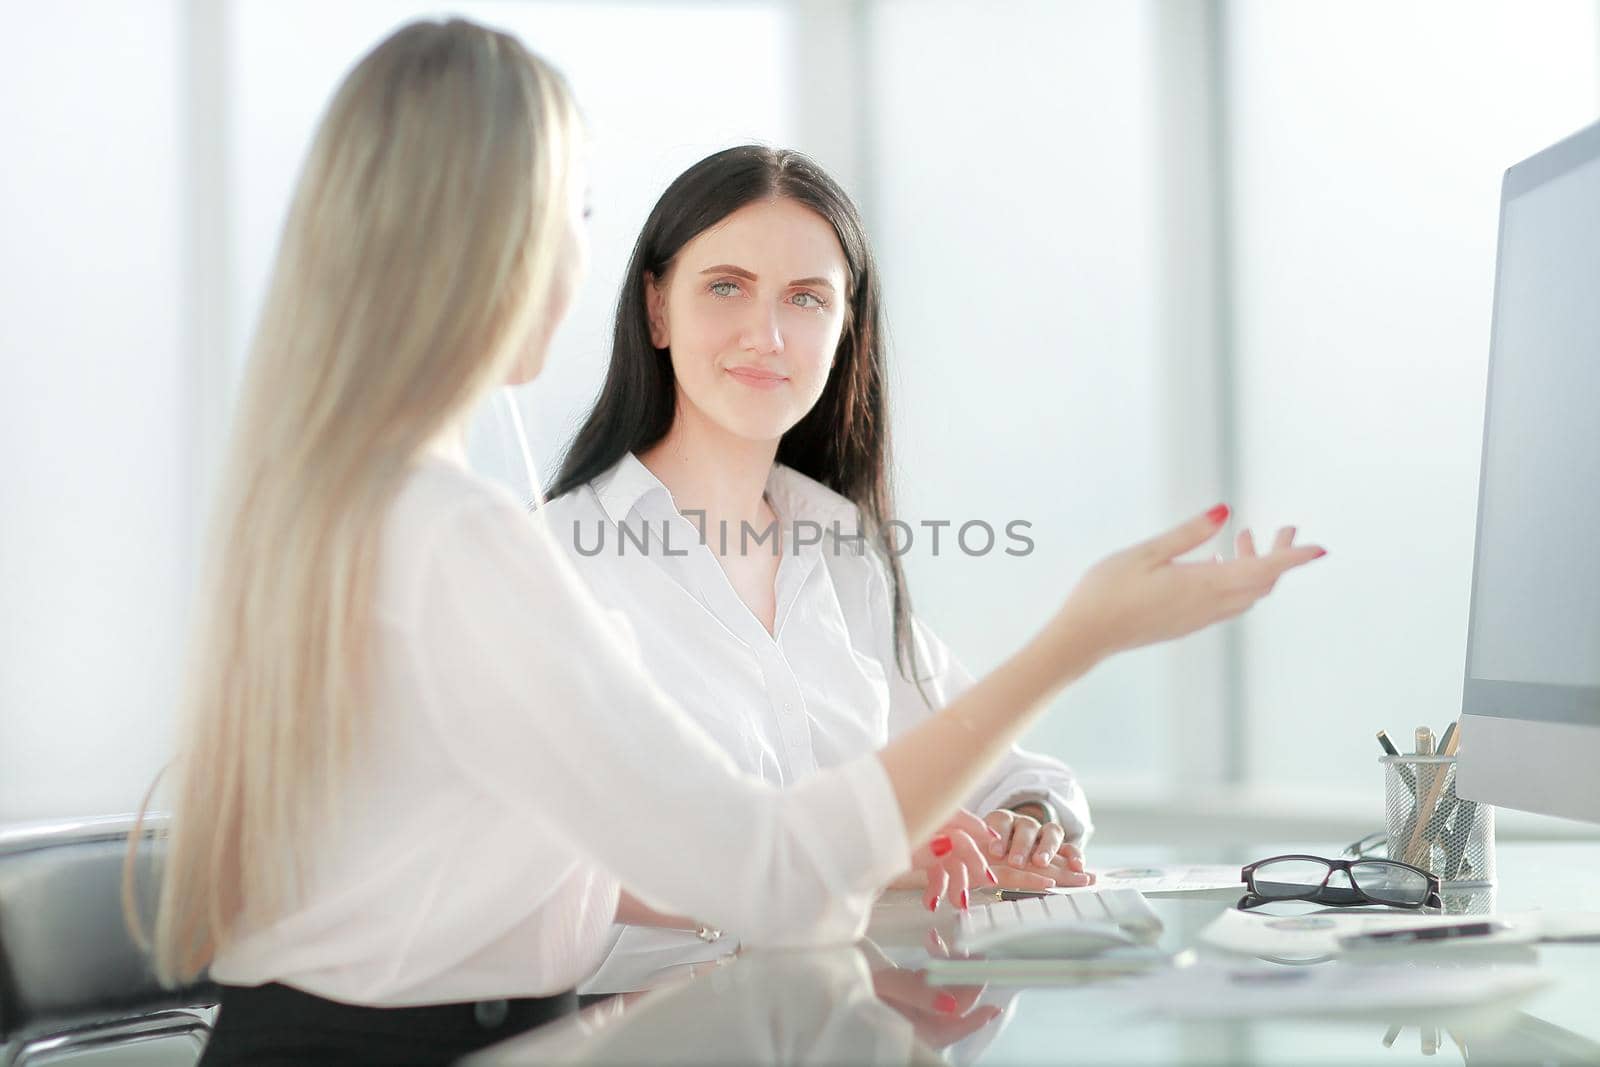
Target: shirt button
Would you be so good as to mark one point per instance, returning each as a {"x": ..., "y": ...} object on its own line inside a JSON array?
[{"x": 490, "y": 1014}]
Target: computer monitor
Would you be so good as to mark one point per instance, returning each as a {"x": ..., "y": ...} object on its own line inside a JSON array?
[{"x": 1530, "y": 728}]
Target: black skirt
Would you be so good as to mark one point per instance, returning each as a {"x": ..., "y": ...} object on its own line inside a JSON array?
[{"x": 276, "y": 1024}]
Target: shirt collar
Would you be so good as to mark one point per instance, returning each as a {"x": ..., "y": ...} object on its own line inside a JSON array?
[
  {"x": 624, "y": 485},
  {"x": 797, "y": 497},
  {"x": 794, "y": 495}
]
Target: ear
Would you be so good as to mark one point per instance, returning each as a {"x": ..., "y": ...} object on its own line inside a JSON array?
[{"x": 655, "y": 303}]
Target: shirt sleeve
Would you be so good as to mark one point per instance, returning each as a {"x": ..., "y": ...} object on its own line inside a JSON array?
[
  {"x": 542, "y": 700},
  {"x": 1020, "y": 774}
]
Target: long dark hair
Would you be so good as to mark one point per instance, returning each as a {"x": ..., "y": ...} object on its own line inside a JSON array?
[{"x": 843, "y": 441}]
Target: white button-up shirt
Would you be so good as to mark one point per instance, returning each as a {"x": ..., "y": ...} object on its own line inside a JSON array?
[
  {"x": 516, "y": 762},
  {"x": 819, "y": 691}
]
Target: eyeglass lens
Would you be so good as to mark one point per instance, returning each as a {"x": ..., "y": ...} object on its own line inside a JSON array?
[
  {"x": 1389, "y": 883},
  {"x": 1288, "y": 878}
]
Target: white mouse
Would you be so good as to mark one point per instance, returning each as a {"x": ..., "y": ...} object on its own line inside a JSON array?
[{"x": 1067, "y": 939}]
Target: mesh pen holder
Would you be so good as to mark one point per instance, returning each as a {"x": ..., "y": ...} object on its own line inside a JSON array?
[{"x": 1455, "y": 838}]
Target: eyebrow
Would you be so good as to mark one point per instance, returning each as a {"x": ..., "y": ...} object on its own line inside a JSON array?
[{"x": 740, "y": 272}]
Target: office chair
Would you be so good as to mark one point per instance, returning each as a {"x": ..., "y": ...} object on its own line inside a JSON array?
[{"x": 71, "y": 977}]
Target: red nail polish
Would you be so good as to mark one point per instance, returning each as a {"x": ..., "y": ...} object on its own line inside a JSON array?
[
  {"x": 945, "y": 1003},
  {"x": 932, "y": 904},
  {"x": 940, "y": 845},
  {"x": 1320, "y": 553},
  {"x": 963, "y": 900},
  {"x": 1218, "y": 514},
  {"x": 992, "y": 878}
]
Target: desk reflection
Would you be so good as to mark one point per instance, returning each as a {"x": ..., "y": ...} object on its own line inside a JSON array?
[
  {"x": 839, "y": 1005},
  {"x": 863, "y": 1004}
]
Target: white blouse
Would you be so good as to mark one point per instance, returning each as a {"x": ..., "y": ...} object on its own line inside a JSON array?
[
  {"x": 517, "y": 765},
  {"x": 820, "y": 691}
]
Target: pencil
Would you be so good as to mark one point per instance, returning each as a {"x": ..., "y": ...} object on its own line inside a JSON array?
[{"x": 1429, "y": 805}]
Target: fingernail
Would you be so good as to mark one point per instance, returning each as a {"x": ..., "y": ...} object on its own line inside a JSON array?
[
  {"x": 940, "y": 845},
  {"x": 963, "y": 900},
  {"x": 1042, "y": 859},
  {"x": 932, "y": 903},
  {"x": 992, "y": 878},
  {"x": 1320, "y": 553},
  {"x": 945, "y": 1003},
  {"x": 1076, "y": 864},
  {"x": 997, "y": 849},
  {"x": 1218, "y": 513},
  {"x": 1019, "y": 859}
]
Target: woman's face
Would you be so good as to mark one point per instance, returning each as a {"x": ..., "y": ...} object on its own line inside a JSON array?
[{"x": 752, "y": 310}]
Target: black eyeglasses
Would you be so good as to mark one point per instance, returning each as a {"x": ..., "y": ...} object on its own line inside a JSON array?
[{"x": 1389, "y": 882}]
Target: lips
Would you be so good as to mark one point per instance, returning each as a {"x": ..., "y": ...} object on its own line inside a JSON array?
[{"x": 757, "y": 377}]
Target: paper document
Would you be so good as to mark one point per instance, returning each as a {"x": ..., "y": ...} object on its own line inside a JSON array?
[
  {"x": 1171, "y": 878},
  {"x": 1568, "y": 925},
  {"x": 1318, "y": 934},
  {"x": 1216, "y": 991}
]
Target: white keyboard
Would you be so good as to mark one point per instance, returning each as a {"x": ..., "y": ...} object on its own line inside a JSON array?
[{"x": 1059, "y": 925}]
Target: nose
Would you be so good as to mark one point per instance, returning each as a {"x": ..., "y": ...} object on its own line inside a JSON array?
[{"x": 761, "y": 333}]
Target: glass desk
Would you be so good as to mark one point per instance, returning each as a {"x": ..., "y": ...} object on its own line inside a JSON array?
[{"x": 852, "y": 1005}]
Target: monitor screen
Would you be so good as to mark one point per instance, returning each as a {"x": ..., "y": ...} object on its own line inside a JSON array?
[{"x": 1534, "y": 635}]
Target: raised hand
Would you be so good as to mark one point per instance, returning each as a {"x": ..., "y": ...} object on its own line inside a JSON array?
[{"x": 1144, "y": 594}]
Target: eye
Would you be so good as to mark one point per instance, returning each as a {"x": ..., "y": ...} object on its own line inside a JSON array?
[
  {"x": 816, "y": 301},
  {"x": 724, "y": 288}
]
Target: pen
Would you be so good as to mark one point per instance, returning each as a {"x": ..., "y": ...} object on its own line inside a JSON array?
[
  {"x": 1414, "y": 934},
  {"x": 1023, "y": 894},
  {"x": 1416, "y": 849},
  {"x": 1466, "y": 815},
  {"x": 1409, "y": 777},
  {"x": 1441, "y": 814},
  {"x": 1419, "y": 817},
  {"x": 1447, "y": 747},
  {"x": 1406, "y": 776}
]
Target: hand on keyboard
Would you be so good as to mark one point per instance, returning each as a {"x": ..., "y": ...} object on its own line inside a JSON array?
[
  {"x": 1023, "y": 843},
  {"x": 952, "y": 863}
]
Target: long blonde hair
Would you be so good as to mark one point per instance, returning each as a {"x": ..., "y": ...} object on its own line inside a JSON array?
[{"x": 421, "y": 246}]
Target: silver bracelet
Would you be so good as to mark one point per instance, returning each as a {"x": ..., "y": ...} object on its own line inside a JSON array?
[{"x": 708, "y": 934}]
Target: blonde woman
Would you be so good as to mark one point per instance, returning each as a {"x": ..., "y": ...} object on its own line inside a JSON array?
[{"x": 418, "y": 761}]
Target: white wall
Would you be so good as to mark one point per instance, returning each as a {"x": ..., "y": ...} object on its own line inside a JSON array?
[
  {"x": 94, "y": 429},
  {"x": 1016, "y": 178},
  {"x": 1366, "y": 169}
]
